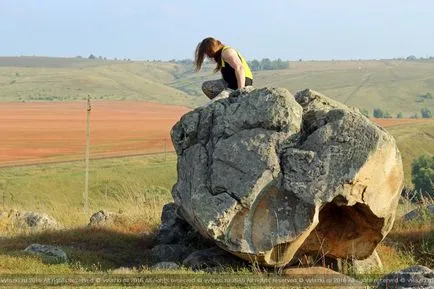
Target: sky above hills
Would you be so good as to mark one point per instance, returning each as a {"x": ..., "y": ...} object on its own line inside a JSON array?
[{"x": 171, "y": 29}]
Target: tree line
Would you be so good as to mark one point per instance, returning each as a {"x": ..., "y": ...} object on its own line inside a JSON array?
[{"x": 380, "y": 113}]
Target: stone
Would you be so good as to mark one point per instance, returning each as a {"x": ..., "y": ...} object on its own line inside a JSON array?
[
  {"x": 268, "y": 176},
  {"x": 49, "y": 254},
  {"x": 420, "y": 214},
  {"x": 170, "y": 252},
  {"x": 105, "y": 218},
  {"x": 14, "y": 220},
  {"x": 212, "y": 260},
  {"x": 370, "y": 265},
  {"x": 173, "y": 227},
  {"x": 165, "y": 266},
  {"x": 412, "y": 277}
]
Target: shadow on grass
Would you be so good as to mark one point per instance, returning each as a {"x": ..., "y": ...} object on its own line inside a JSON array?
[{"x": 88, "y": 248}]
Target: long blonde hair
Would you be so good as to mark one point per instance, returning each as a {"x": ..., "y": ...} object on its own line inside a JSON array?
[{"x": 209, "y": 47}]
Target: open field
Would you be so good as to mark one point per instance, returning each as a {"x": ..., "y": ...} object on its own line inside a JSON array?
[
  {"x": 54, "y": 131},
  {"x": 391, "y": 85},
  {"x": 137, "y": 187},
  {"x": 41, "y": 132}
]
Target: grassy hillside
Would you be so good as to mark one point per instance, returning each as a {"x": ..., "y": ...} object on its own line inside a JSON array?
[
  {"x": 392, "y": 85},
  {"x": 132, "y": 185},
  {"x": 34, "y": 78},
  {"x": 413, "y": 140}
]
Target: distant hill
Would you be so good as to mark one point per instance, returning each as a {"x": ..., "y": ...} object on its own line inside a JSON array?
[
  {"x": 391, "y": 85},
  {"x": 54, "y": 79}
]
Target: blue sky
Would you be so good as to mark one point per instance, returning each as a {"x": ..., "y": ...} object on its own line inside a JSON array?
[{"x": 167, "y": 29}]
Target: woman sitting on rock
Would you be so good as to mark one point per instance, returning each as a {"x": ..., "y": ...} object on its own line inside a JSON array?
[{"x": 235, "y": 71}]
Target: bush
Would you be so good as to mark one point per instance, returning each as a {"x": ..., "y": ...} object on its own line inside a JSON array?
[
  {"x": 422, "y": 174},
  {"x": 379, "y": 113},
  {"x": 426, "y": 96},
  {"x": 426, "y": 113},
  {"x": 399, "y": 115}
]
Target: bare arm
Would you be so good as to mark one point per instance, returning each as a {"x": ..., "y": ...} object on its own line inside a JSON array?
[{"x": 231, "y": 56}]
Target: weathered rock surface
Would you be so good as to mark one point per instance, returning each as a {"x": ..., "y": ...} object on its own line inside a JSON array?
[
  {"x": 173, "y": 228},
  {"x": 14, "y": 220},
  {"x": 104, "y": 218},
  {"x": 212, "y": 259},
  {"x": 49, "y": 254},
  {"x": 268, "y": 176},
  {"x": 170, "y": 252},
  {"x": 412, "y": 277},
  {"x": 420, "y": 214},
  {"x": 370, "y": 265},
  {"x": 165, "y": 266}
]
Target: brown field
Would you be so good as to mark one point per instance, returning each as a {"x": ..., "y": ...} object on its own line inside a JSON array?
[
  {"x": 55, "y": 131},
  {"x": 389, "y": 122},
  {"x": 39, "y": 132}
]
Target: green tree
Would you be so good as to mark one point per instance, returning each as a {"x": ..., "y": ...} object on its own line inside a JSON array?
[
  {"x": 399, "y": 115},
  {"x": 422, "y": 174},
  {"x": 266, "y": 64},
  {"x": 255, "y": 65},
  {"x": 426, "y": 113},
  {"x": 378, "y": 113}
]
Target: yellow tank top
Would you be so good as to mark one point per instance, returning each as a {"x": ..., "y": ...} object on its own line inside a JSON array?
[{"x": 247, "y": 71}]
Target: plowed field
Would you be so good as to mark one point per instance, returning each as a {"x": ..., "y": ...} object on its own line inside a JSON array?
[
  {"x": 39, "y": 132},
  {"x": 56, "y": 131}
]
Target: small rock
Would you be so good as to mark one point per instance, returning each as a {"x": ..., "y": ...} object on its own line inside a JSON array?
[
  {"x": 210, "y": 258},
  {"x": 412, "y": 277},
  {"x": 103, "y": 217},
  {"x": 123, "y": 270},
  {"x": 165, "y": 266},
  {"x": 173, "y": 227},
  {"x": 419, "y": 214},
  {"x": 170, "y": 253},
  {"x": 49, "y": 254},
  {"x": 369, "y": 265},
  {"x": 21, "y": 220}
]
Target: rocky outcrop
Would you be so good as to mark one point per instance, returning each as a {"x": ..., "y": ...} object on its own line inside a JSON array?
[
  {"x": 49, "y": 254},
  {"x": 269, "y": 177},
  {"x": 16, "y": 221}
]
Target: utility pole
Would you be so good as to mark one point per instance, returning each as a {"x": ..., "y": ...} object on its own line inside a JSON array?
[
  {"x": 165, "y": 149},
  {"x": 86, "y": 176}
]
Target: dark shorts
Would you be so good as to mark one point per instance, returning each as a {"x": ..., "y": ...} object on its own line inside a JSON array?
[{"x": 212, "y": 88}]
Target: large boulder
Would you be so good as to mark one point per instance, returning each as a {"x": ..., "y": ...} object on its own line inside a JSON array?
[{"x": 270, "y": 177}]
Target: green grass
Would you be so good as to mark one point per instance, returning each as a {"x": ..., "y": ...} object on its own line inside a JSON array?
[
  {"x": 28, "y": 79},
  {"x": 136, "y": 186},
  {"x": 391, "y": 85},
  {"x": 413, "y": 140}
]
